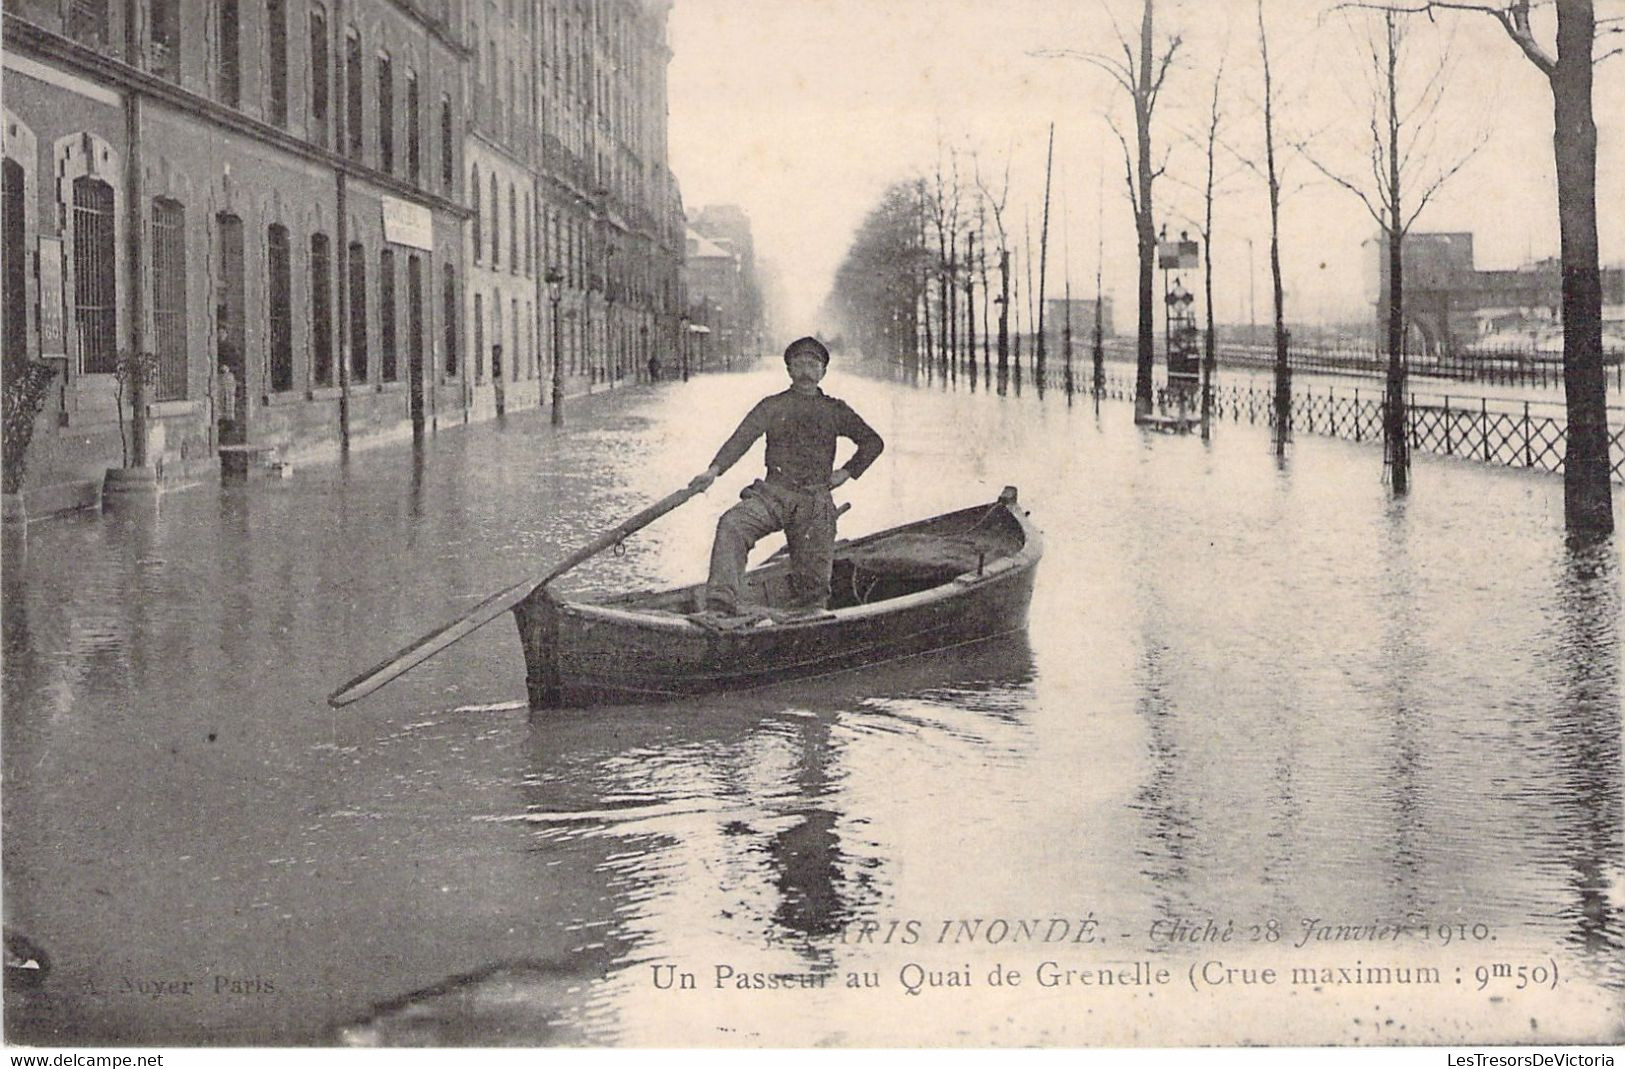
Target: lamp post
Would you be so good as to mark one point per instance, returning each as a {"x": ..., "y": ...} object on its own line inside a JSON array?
[
  {"x": 682, "y": 343},
  {"x": 555, "y": 285},
  {"x": 612, "y": 366}
]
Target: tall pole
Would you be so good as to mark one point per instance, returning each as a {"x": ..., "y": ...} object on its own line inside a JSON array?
[
  {"x": 1100, "y": 260},
  {"x": 1043, "y": 251},
  {"x": 558, "y": 361},
  {"x": 970, "y": 303}
]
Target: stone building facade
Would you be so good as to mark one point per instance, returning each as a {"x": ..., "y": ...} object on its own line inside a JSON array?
[{"x": 278, "y": 199}]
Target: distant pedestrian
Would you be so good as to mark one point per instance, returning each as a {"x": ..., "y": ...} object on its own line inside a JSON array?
[
  {"x": 654, "y": 368},
  {"x": 225, "y": 404}
]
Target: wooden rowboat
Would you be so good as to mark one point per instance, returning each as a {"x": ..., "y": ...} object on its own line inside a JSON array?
[{"x": 956, "y": 578}]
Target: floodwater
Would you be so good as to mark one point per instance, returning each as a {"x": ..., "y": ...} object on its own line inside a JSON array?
[{"x": 1279, "y": 760}]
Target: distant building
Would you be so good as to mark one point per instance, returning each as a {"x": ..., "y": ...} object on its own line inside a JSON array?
[
  {"x": 714, "y": 280},
  {"x": 345, "y": 206},
  {"x": 1451, "y": 304},
  {"x": 720, "y": 274}
]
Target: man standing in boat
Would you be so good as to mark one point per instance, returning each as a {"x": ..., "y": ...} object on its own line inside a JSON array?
[{"x": 801, "y": 425}]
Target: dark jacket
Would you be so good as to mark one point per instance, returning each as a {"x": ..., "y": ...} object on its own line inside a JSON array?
[{"x": 801, "y": 429}]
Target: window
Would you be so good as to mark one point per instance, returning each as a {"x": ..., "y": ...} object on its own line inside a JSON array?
[
  {"x": 276, "y": 19},
  {"x": 530, "y": 237},
  {"x": 321, "y": 309},
  {"x": 496, "y": 336},
  {"x": 479, "y": 337},
  {"x": 228, "y": 78},
  {"x": 280, "y": 278},
  {"x": 386, "y": 316},
  {"x": 318, "y": 76},
  {"x": 496, "y": 222},
  {"x": 514, "y": 357},
  {"x": 513, "y": 230},
  {"x": 451, "y": 321},
  {"x": 414, "y": 139},
  {"x": 414, "y": 318},
  {"x": 164, "y": 47},
  {"x": 87, "y": 22},
  {"x": 448, "y": 167},
  {"x": 14, "y": 261},
  {"x": 386, "y": 114},
  {"x": 352, "y": 93},
  {"x": 478, "y": 218},
  {"x": 94, "y": 275},
  {"x": 358, "y": 313},
  {"x": 169, "y": 296}
]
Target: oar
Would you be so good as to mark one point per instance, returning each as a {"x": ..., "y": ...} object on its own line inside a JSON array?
[{"x": 496, "y": 605}]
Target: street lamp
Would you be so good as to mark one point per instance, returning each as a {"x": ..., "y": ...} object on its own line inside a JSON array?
[
  {"x": 682, "y": 343},
  {"x": 555, "y": 285}
]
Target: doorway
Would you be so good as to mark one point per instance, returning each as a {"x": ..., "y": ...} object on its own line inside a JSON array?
[{"x": 231, "y": 364}]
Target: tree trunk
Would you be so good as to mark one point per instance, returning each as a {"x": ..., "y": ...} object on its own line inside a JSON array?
[
  {"x": 1043, "y": 258},
  {"x": 1587, "y": 496},
  {"x": 1283, "y": 372},
  {"x": 970, "y": 305},
  {"x": 1396, "y": 439},
  {"x": 1146, "y": 226},
  {"x": 1004, "y": 312}
]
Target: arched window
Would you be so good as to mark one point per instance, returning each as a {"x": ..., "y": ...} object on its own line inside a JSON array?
[
  {"x": 169, "y": 296},
  {"x": 386, "y": 316},
  {"x": 448, "y": 163},
  {"x": 414, "y": 136},
  {"x": 321, "y": 309},
  {"x": 479, "y": 212},
  {"x": 386, "y": 113},
  {"x": 358, "y": 312},
  {"x": 451, "y": 321},
  {"x": 276, "y": 44},
  {"x": 95, "y": 286},
  {"x": 497, "y": 347},
  {"x": 320, "y": 77},
  {"x": 280, "y": 277},
  {"x": 163, "y": 27},
  {"x": 353, "y": 94},
  {"x": 479, "y": 337},
  {"x": 228, "y": 67},
  {"x": 15, "y": 261},
  {"x": 87, "y": 22},
  {"x": 496, "y": 222}
]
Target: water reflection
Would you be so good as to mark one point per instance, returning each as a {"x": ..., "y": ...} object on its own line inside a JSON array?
[
  {"x": 1586, "y": 735},
  {"x": 759, "y": 783},
  {"x": 1247, "y": 691}
]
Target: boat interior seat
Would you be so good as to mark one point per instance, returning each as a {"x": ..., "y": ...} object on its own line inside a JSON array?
[{"x": 916, "y": 556}]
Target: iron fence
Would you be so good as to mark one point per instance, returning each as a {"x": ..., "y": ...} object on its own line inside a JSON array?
[
  {"x": 1496, "y": 365},
  {"x": 1517, "y": 434}
]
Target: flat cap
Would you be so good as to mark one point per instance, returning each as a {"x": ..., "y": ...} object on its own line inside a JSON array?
[{"x": 809, "y": 346}]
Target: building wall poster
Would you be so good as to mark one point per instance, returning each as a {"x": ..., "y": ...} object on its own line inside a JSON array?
[
  {"x": 408, "y": 224},
  {"x": 53, "y": 339}
]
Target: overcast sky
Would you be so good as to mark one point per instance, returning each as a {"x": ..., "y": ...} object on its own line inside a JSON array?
[{"x": 802, "y": 111}]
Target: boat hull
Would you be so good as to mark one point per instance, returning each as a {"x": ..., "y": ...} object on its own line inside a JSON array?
[{"x": 583, "y": 653}]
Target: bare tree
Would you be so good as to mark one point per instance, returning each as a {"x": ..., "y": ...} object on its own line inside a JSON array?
[
  {"x": 1569, "y": 69},
  {"x": 1406, "y": 172},
  {"x": 1043, "y": 256},
  {"x": 996, "y": 205},
  {"x": 1140, "y": 71},
  {"x": 1207, "y": 140},
  {"x": 1283, "y": 372}
]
